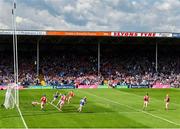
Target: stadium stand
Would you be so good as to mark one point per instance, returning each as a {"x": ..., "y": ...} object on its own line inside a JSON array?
[{"x": 77, "y": 65}]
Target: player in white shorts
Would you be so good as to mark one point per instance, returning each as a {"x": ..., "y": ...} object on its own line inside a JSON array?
[
  {"x": 61, "y": 102},
  {"x": 70, "y": 96},
  {"x": 146, "y": 101},
  {"x": 56, "y": 95},
  {"x": 82, "y": 103}
]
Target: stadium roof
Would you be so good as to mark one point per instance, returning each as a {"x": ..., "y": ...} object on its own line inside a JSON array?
[{"x": 32, "y": 36}]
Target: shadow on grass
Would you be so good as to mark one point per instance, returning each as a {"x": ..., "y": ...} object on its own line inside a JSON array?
[
  {"x": 171, "y": 109},
  {"x": 150, "y": 110}
]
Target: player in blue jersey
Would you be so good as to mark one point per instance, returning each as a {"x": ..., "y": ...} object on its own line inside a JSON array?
[
  {"x": 56, "y": 95},
  {"x": 82, "y": 103}
]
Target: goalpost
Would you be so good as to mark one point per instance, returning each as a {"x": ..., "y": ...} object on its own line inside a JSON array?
[
  {"x": 12, "y": 92},
  {"x": 10, "y": 96}
]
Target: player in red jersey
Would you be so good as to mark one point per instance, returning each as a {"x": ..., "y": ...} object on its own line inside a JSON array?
[
  {"x": 61, "y": 102},
  {"x": 167, "y": 100},
  {"x": 43, "y": 102},
  {"x": 70, "y": 95},
  {"x": 146, "y": 101}
]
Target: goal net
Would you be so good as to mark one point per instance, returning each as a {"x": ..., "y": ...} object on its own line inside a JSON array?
[{"x": 10, "y": 96}]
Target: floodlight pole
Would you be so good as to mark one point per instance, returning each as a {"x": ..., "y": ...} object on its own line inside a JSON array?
[
  {"x": 156, "y": 57},
  {"x": 37, "y": 63},
  {"x": 99, "y": 59},
  {"x": 178, "y": 64}
]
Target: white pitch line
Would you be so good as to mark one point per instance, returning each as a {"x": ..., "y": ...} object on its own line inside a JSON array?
[
  {"x": 22, "y": 117},
  {"x": 20, "y": 113},
  {"x": 54, "y": 106},
  {"x": 135, "y": 109},
  {"x": 153, "y": 98}
]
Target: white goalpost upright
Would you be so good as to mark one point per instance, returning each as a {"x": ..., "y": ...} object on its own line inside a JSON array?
[{"x": 12, "y": 92}]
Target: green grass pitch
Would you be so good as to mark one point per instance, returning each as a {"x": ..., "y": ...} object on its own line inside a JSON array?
[{"x": 105, "y": 108}]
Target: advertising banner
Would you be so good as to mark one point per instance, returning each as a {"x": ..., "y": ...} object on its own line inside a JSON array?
[
  {"x": 78, "y": 33},
  {"x": 5, "y": 87},
  {"x": 88, "y": 86},
  {"x": 103, "y": 86},
  {"x": 20, "y": 87},
  {"x": 164, "y": 34},
  {"x": 40, "y": 87},
  {"x": 65, "y": 87},
  {"x": 118, "y": 86},
  {"x": 122, "y": 86},
  {"x": 134, "y": 34},
  {"x": 138, "y": 86},
  {"x": 159, "y": 85},
  {"x": 22, "y": 32},
  {"x": 176, "y": 35}
]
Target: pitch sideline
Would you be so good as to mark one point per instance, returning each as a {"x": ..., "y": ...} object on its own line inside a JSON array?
[
  {"x": 20, "y": 113},
  {"x": 141, "y": 97},
  {"x": 134, "y": 109},
  {"x": 24, "y": 122}
]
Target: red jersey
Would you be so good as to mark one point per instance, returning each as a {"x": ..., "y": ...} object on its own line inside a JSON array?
[
  {"x": 63, "y": 98},
  {"x": 71, "y": 94},
  {"x": 44, "y": 99},
  {"x": 146, "y": 98}
]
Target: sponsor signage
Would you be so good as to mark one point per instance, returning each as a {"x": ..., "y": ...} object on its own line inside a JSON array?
[
  {"x": 22, "y": 32},
  {"x": 134, "y": 34},
  {"x": 65, "y": 87},
  {"x": 122, "y": 86},
  {"x": 88, "y": 86},
  {"x": 138, "y": 86},
  {"x": 103, "y": 86},
  {"x": 78, "y": 33},
  {"x": 177, "y": 35},
  {"x": 164, "y": 34},
  {"x": 90, "y": 33},
  {"x": 5, "y": 87},
  {"x": 158, "y": 85},
  {"x": 40, "y": 87}
]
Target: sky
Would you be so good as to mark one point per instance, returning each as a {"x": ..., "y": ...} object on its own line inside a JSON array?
[{"x": 93, "y": 15}]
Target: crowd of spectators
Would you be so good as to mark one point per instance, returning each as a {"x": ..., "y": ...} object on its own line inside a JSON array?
[
  {"x": 138, "y": 69},
  {"x": 82, "y": 69}
]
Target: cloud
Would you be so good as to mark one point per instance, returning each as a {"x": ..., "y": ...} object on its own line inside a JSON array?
[
  {"x": 102, "y": 15},
  {"x": 3, "y": 26},
  {"x": 19, "y": 20},
  {"x": 5, "y": 15}
]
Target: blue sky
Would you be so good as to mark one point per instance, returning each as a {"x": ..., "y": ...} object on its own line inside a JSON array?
[{"x": 93, "y": 15}]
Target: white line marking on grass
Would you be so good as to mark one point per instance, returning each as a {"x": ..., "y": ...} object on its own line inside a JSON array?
[
  {"x": 120, "y": 112},
  {"x": 22, "y": 117},
  {"x": 141, "y": 97},
  {"x": 54, "y": 106},
  {"x": 20, "y": 113},
  {"x": 134, "y": 109}
]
